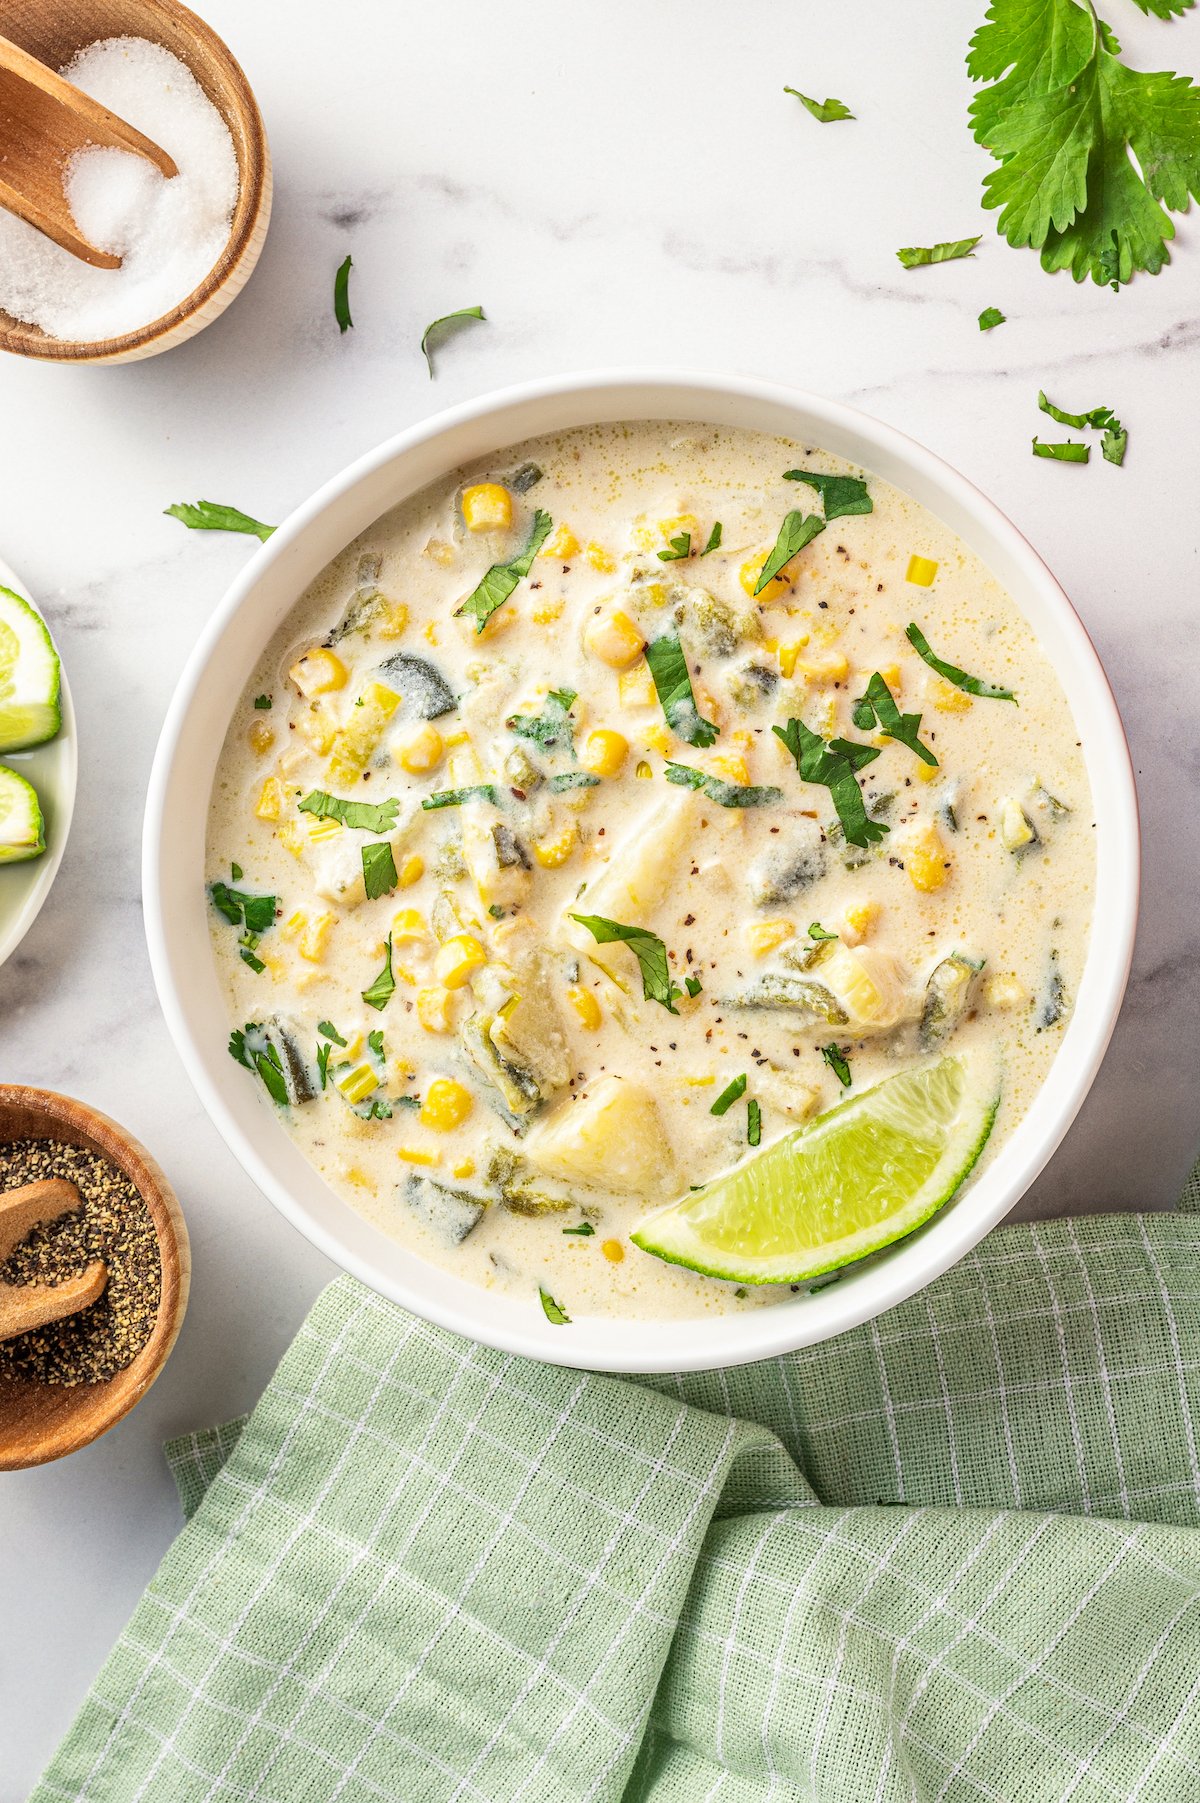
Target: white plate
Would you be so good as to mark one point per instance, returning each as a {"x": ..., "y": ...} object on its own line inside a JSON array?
[
  {"x": 52, "y": 770},
  {"x": 176, "y": 908}
]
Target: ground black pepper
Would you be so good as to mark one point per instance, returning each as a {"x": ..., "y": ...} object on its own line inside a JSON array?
[{"x": 113, "y": 1224}]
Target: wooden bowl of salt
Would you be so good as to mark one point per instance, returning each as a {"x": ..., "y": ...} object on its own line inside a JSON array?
[
  {"x": 40, "y": 1420},
  {"x": 56, "y": 32}
]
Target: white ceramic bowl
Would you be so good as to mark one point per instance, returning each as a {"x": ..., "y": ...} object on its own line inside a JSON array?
[{"x": 174, "y": 873}]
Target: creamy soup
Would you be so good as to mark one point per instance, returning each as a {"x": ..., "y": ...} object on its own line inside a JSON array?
[{"x": 539, "y": 892}]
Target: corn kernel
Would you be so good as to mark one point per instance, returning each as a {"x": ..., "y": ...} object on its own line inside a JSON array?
[
  {"x": 927, "y": 773},
  {"x": 310, "y": 932},
  {"x": 440, "y": 552},
  {"x": 604, "y": 752},
  {"x": 765, "y": 936},
  {"x": 290, "y": 837},
  {"x": 362, "y": 732},
  {"x": 750, "y": 572},
  {"x": 833, "y": 668},
  {"x": 550, "y": 853},
  {"x": 614, "y": 639},
  {"x": 446, "y": 1105},
  {"x": 431, "y": 632},
  {"x": 547, "y": 613},
  {"x": 732, "y": 768},
  {"x": 464, "y": 1168},
  {"x": 418, "y": 1155},
  {"x": 261, "y": 738},
  {"x": 355, "y": 1174},
  {"x": 420, "y": 749},
  {"x": 681, "y": 522},
  {"x": 269, "y": 805},
  {"x": 457, "y": 960},
  {"x": 921, "y": 570},
  {"x": 411, "y": 870},
  {"x": 561, "y": 545},
  {"x": 701, "y": 1082},
  {"x": 925, "y": 860},
  {"x": 487, "y": 507},
  {"x": 318, "y": 672},
  {"x": 658, "y": 739},
  {"x": 787, "y": 659},
  {"x": 1004, "y": 991},
  {"x": 586, "y": 1006},
  {"x": 613, "y": 1251},
  {"x": 600, "y": 559},
  {"x": 408, "y": 925},
  {"x": 858, "y": 921},
  {"x": 358, "y": 1083},
  {"x": 317, "y": 730},
  {"x": 635, "y": 688},
  {"x": 949, "y": 700},
  {"x": 391, "y": 620},
  {"x": 643, "y": 771},
  {"x": 891, "y": 675},
  {"x": 433, "y": 1010}
]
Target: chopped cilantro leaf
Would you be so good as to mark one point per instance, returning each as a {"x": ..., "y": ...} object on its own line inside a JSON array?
[
  {"x": 693, "y": 985},
  {"x": 839, "y": 494},
  {"x": 917, "y": 256},
  {"x": 263, "y": 1061},
  {"x": 247, "y": 956},
  {"x": 668, "y": 667},
  {"x": 236, "y": 872},
  {"x": 572, "y": 779},
  {"x": 341, "y": 296},
  {"x": 379, "y": 869},
  {"x": 362, "y": 816},
  {"x": 1112, "y": 445},
  {"x": 553, "y": 1313},
  {"x": 798, "y": 530},
  {"x": 838, "y": 1063},
  {"x": 902, "y": 727},
  {"x": 552, "y": 727},
  {"x": 1069, "y": 450},
  {"x": 1092, "y": 416},
  {"x": 729, "y": 1095},
  {"x": 990, "y": 318},
  {"x": 214, "y": 516},
  {"x": 585, "y": 1230},
  {"x": 680, "y": 546},
  {"x": 817, "y": 931},
  {"x": 973, "y": 685},
  {"x": 455, "y": 798},
  {"x": 646, "y": 947},
  {"x": 254, "y": 912},
  {"x": 441, "y": 328},
  {"x": 262, "y": 702},
  {"x": 817, "y": 762},
  {"x": 323, "y": 1051},
  {"x": 753, "y": 1123},
  {"x": 726, "y": 795},
  {"x": 714, "y": 540},
  {"x": 327, "y": 1030},
  {"x": 827, "y": 112},
  {"x": 499, "y": 582},
  {"x": 384, "y": 987}
]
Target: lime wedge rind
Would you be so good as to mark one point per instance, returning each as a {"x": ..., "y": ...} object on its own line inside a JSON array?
[
  {"x": 22, "y": 827},
  {"x": 30, "y": 676},
  {"x": 677, "y": 1233}
]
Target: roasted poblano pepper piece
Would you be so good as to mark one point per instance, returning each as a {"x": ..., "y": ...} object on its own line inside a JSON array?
[
  {"x": 449, "y": 1213},
  {"x": 947, "y": 996},
  {"x": 423, "y": 690}
]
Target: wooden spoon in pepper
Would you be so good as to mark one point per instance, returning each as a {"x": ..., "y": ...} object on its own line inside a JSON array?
[{"x": 24, "y": 1306}]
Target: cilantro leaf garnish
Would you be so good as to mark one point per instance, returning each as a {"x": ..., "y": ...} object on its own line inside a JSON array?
[
  {"x": 254, "y": 912},
  {"x": 817, "y": 931},
  {"x": 379, "y": 869},
  {"x": 798, "y": 530},
  {"x": 1092, "y": 416},
  {"x": 1112, "y": 445},
  {"x": 384, "y": 987},
  {"x": 838, "y": 1063},
  {"x": 753, "y": 1123},
  {"x": 572, "y": 779},
  {"x": 693, "y": 986},
  {"x": 557, "y": 1316},
  {"x": 323, "y": 1051},
  {"x": 989, "y": 318},
  {"x": 440, "y": 329},
  {"x": 552, "y": 727},
  {"x": 839, "y": 494},
  {"x": 214, "y": 516},
  {"x": 729, "y": 1095},
  {"x": 726, "y": 795},
  {"x": 327, "y": 1030},
  {"x": 362, "y": 816},
  {"x": 264, "y": 1062},
  {"x": 1091, "y": 153},
  {"x": 817, "y": 762},
  {"x": 902, "y": 727},
  {"x": 680, "y": 546},
  {"x": 500, "y": 581},
  {"x": 646, "y": 947},
  {"x": 714, "y": 540},
  {"x": 973, "y": 685},
  {"x": 341, "y": 296},
  {"x": 455, "y": 798},
  {"x": 1070, "y": 450},
  {"x": 668, "y": 667},
  {"x": 584, "y": 1231},
  {"x": 827, "y": 112},
  {"x": 262, "y": 702},
  {"x": 917, "y": 256}
]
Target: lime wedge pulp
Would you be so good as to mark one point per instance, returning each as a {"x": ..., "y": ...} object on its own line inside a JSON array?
[
  {"x": 855, "y": 1179},
  {"x": 22, "y": 830},
  {"x": 30, "y": 706}
]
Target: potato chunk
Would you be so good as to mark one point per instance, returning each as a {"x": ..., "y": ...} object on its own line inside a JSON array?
[{"x": 611, "y": 1137}]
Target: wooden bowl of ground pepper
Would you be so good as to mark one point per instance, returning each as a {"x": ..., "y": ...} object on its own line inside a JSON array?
[{"x": 65, "y": 1384}]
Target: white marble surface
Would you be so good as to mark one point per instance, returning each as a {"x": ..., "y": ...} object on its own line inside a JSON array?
[{"x": 616, "y": 183}]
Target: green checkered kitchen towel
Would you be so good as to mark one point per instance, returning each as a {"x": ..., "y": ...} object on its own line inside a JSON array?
[{"x": 950, "y": 1555}]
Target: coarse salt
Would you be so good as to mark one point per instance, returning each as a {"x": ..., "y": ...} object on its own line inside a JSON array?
[{"x": 168, "y": 232}]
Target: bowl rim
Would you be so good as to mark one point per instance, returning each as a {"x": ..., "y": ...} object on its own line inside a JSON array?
[
  {"x": 66, "y": 739},
  {"x": 254, "y": 191},
  {"x": 699, "y": 1342}
]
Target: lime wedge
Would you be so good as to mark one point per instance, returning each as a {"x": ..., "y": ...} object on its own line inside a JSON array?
[
  {"x": 22, "y": 831},
  {"x": 853, "y": 1180},
  {"x": 30, "y": 712}
]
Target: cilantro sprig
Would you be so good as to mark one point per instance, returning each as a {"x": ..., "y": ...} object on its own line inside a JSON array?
[
  {"x": 499, "y": 582},
  {"x": 1097, "y": 419},
  {"x": 798, "y": 530},
  {"x": 972, "y": 685},
  {"x": 646, "y": 947},
  {"x": 878, "y": 705},
  {"x": 835, "y": 765}
]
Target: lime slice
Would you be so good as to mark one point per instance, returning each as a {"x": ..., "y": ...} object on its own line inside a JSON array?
[
  {"x": 853, "y": 1180},
  {"x": 22, "y": 830},
  {"x": 29, "y": 676}
]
